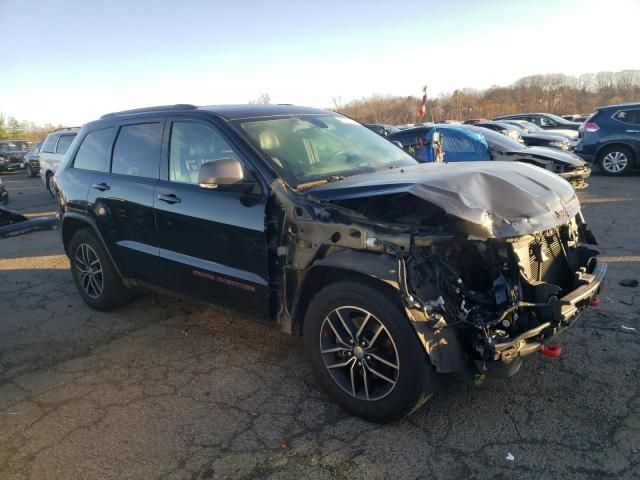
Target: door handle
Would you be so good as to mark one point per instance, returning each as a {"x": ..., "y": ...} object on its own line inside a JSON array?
[
  {"x": 101, "y": 186},
  {"x": 633, "y": 131},
  {"x": 171, "y": 198}
]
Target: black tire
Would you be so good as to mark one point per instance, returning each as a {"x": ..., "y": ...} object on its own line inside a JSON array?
[
  {"x": 415, "y": 378},
  {"x": 112, "y": 293},
  {"x": 48, "y": 177},
  {"x": 615, "y": 161}
]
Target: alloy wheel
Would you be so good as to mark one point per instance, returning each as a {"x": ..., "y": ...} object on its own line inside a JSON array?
[
  {"x": 89, "y": 270},
  {"x": 615, "y": 162},
  {"x": 359, "y": 353}
]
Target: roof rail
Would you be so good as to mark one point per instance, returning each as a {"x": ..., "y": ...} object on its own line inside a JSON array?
[
  {"x": 64, "y": 129},
  {"x": 178, "y": 106}
]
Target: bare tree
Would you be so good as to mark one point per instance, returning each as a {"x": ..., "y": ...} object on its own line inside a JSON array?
[{"x": 263, "y": 99}]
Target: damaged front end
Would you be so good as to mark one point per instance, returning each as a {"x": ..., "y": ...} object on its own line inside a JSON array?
[
  {"x": 490, "y": 261},
  {"x": 504, "y": 297}
]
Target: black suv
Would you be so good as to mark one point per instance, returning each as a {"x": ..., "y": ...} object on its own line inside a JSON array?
[
  {"x": 611, "y": 138},
  {"x": 12, "y": 154},
  {"x": 392, "y": 270}
]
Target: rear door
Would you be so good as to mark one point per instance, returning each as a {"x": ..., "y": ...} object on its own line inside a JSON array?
[
  {"x": 121, "y": 199},
  {"x": 212, "y": 242}
]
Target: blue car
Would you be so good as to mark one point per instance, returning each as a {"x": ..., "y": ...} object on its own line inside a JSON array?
[
  {"x": 611, "y": 138},
  {"x": 468, "y": 143}
]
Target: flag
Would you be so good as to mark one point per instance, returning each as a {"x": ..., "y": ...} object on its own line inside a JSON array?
[{"x": 422, "y": 109}]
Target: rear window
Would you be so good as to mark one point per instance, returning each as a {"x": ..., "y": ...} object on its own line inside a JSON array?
[
  {"x": 137, "y": 150},
  {"x": 93, "y": 153},
  {"x": 50, "y": 143},
  {"x": 64, "y": 142}
]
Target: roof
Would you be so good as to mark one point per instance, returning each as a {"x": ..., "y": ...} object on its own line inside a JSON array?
[
  {"x": 620, "y": 105},
  {"x": 228, "y": 112},
  {"x": 236, "y": 112}
]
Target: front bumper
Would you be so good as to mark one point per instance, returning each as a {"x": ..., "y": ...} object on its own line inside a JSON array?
[
  {"x": 578, "y": 177},
  {"x": 564, "y": 311}
]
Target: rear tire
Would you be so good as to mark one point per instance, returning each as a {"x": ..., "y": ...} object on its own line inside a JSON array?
[
  {"x": 615, "y": 161},
  {"x": 377, "y": 376},
  {"x": 94, "y": 274},
  {"x": 49, "y": 183}
]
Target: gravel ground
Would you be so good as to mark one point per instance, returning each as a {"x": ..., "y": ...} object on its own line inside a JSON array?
[{"x": 169, "y": 389}]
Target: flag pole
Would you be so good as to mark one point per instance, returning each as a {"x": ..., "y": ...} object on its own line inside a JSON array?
[{"x": 428, "y": 104}]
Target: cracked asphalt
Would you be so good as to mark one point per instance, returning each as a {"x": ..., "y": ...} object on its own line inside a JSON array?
[{"x": 165, "y": 388}]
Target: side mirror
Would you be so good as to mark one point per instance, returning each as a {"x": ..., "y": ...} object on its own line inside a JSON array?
[{"x": 225, "y": 174}]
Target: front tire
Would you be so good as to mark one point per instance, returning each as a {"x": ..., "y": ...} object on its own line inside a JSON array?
[
  {"x": 365, "y": 354},
  {"x": 29, "y": 171},
  {"x": 615, "y": 161},
  {"x": 94, "y": 274}
]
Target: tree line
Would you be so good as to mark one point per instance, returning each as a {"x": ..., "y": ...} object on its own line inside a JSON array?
[
  {"x": 555, "y": 93},
  {"x": 13, "y": 129}
]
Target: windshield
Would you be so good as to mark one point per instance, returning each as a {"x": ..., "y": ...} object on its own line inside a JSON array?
[
  {"x": 530, "y": 126},
  {"x": 513, "y": 127},
  {"x": 309, "y": 148},
  {"x": 495, "y": 140},
  {"x": 556, "y": 118}
]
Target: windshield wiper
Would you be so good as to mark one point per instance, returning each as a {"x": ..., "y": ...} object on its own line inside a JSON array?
[{"x": 321, "y": 181}]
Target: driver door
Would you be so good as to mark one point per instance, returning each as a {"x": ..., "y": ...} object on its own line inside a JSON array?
[{"x": 212, "y": 242}]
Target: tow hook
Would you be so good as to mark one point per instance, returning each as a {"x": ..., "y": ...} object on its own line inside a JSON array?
[{"x": 551, "y": 350}]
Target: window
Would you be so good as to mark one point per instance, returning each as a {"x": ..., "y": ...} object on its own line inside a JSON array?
[
  {"x": 50, "y": 143},
  {"x": 137, "y": 150},
  {"x": 547, "y": 122},
  {"x": 94, "y": 150},
  {"x": 307, "y": 148},
  {"x": 64, "y": 142},
  {"x": 628, "y": 116},
  {"x": 193, "y": 144}
]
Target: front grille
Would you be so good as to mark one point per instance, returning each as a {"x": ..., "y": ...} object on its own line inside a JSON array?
[{"x": 546, "y": 258}]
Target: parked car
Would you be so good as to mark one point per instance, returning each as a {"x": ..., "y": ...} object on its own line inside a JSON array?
[
  {"x": 382, "y": 129},
  {"x": 611, "y": 138},
  {"x": 547, "y": 121},
  {"x": 12, "y": 153},
  {"x": 52, "y": 152},
  {"x": 30, "y": 161},
  {"x": 392, "y": 270},
  {"x": 473, "y": 121},
  {"x": 576, "y": 117},
  {"x": 466, "y": 143},
  {"x": 4, "y": 195},
  {"x": 505, "y": 129},
  {"x": 533, "y": 139}
]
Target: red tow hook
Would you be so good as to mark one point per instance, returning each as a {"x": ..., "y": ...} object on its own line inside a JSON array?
[
  {"x": 551, "y": 350},
  {"x": 595, "y": 302}
]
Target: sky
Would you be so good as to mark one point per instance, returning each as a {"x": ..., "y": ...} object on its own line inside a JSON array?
[{"x": 68, "y": 62}]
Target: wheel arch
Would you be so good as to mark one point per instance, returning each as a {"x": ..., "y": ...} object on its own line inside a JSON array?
[
  {"x": 377, "y": 270},
  {"x": 71, "y": 223},
  {"x": 635, "y": 150}
]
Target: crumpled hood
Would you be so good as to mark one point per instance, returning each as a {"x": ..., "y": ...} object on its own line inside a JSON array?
[{"x": 489, "y": 199}]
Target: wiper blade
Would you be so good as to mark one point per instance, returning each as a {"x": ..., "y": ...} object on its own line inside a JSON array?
[{"x": 321, "y": 181}]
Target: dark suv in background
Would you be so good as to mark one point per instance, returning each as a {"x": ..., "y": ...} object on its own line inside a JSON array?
[
  {"x": 611, "y": 138},
  {"x": 390, "y": 268}
]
